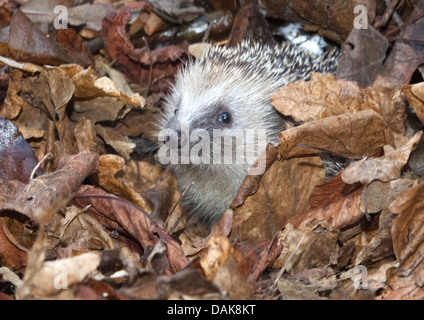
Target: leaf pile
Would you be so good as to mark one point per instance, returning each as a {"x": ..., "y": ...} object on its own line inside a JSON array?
[{"x": 83, "y": 217}]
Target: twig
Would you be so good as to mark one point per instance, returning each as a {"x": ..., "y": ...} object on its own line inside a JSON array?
[
  {"x": 390, "y": 10},
  {"x": 48, "y": 155},
  {"x": 420, "y": 41},
  {"x": 418, "y": 16},
  {"x": 175, "y": 206},
  {"x": 182, "y": 196},
  {"x": 175, "y": 225}
]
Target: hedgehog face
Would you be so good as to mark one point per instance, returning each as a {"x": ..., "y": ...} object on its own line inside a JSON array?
[
  {"x": 208, "y": 96},
  {"x": 214, "y": 109},
  {"x": 211, "y": 129}
]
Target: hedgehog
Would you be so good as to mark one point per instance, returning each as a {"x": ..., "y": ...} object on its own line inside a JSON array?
[{"x": 228, "y": 89}]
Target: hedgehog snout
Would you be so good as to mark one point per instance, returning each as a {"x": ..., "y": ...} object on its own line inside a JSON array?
[{"x": 176, "y": 139}]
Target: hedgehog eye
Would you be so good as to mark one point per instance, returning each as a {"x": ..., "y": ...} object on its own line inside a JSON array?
[{"x": 224, "y": 117}]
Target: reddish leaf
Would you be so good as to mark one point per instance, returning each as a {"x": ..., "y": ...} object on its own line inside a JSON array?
[
  {"x": 341, "y": 212},
  {"x": 136, "y": 63},
  {"x": 123, "y": 216},
  {"x": 12, "y": 255},
  {"x": 70, "y": 40}
]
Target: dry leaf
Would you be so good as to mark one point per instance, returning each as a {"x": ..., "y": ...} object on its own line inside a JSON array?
[
  {"x": 17, "y": 159},
  {"x": 415, "y": 95},
  {"x": 157, "y": 259},
  {"x": 384, "y": 169},
  {"x": 258, "y": 210},
  {"x": 87, "y": 86},
  {"x": 307, "y": 285},
  {"x": 311, "y": 246},
  {"x": 194, "y": 244},
  {"x": 404, "y": 293},
  {"x": 52, "y": 277},
  {"x": 28, "y": 43},
  {"x": 380, "y": 195},
  {"x": 321, "y": 97},
  {"x": 106, "y": 177},
  {"x": 179, "y": 9},
  {"x": 219, "y": 265},
  {"x": 219, "y": 248},
  {"x": 315, "y": 234},
  {"x": 343, "y": 211},
  {"x": 153, "y": 23},
  {"x": 331, "y": 190},
  {"x": 74, "y": 231},
  {"x": 185, "y": 285},
  {"x": 136, "y": 62},
  {"x": 358, "y": 134},
  {"x": 263, "y": 213},
  {"x": 128, "y": 219},
  {"x": 380, "y": 245},
  {"x": 362, "y": 57},
  {"x": 13, "y": 102},
  {"x": 388, "y": 102},
  {"x": 416, "y": 160},
  {"x": 46, "y": 95},
  {"x": 121, "y": 144},
  {"x": 85, "y": 136},
  {"x": 198, "y": 49},
  {"x": 407, "y": 235},
  {"x": 89, "y": 14},
  {"x": 99, "y": 99},
  {"x": 12, "y": 253},
  {"x": 42, "y": 191},
  {"x": 159, "y": 188},
  {"x": 325, "y": 96},
  {"x": 230, "y": 280},
  {"x": 406, "y": 56},
  {"x": 253, "y": 259}
]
